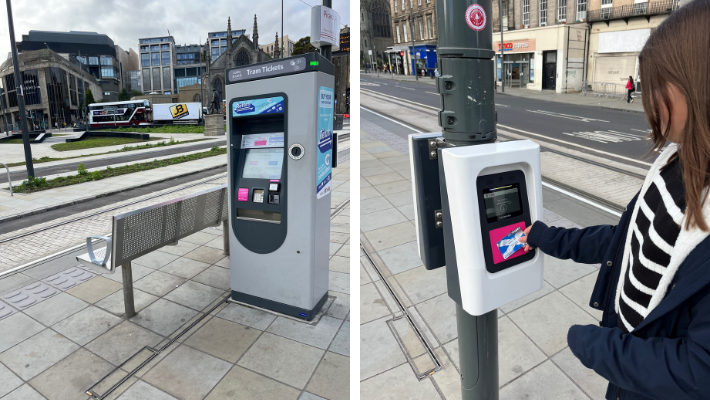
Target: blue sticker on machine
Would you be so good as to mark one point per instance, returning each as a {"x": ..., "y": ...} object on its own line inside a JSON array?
[
  {"x": 269, "y": 105},
  {"x": 325, "y": 141}
]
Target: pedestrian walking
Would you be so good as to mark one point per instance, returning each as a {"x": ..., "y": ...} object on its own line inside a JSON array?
[
  {"x": 630, "y": 87},
  {"x": 653, "y": 286}
]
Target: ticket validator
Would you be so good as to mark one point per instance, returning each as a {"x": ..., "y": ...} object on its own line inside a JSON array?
[
  {"x": 279, "y": 130},
  {"x": 473, "y": 195}
]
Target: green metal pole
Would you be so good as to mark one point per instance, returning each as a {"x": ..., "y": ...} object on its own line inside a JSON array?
[{"x": 468, "y": 117}]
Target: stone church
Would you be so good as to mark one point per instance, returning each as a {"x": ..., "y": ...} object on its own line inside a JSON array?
[{"x": 242, "y": 51}]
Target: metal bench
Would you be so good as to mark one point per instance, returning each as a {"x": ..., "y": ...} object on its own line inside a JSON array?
[{"x": 137, "y": 233}]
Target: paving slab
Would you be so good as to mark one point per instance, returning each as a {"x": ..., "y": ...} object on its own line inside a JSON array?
[
  {"x": 223, "y": 339},
  {"x": 56, "y": 309},
  {"x": 115, "y": 303},
  {"x": 379, "y": 350},
  {"x": 331, "y": 380},
  {"x": 242, "y": 384},
  {"x": 397, "y": 383},
  {"x": 143, "y": 391},
  {"x": 8, "y": 381},
  {"x": 163, "y": 317},
  {"x": 122, "y": 342},
  {"x": 544, "y": 382},
  {"x": 71, "y": 377},
  {"x": 187, "y": 373},
  {"x": 194, "y": 295},
  {"x": 24, "y": 392},
  {"x": 86, "y": 325},
  {"x": 158, "y": 283},
  {"x": 16, "y": 329},
  {"x": 319, "y": 335},
  {"x": 247, "y": 316},
  {"x": 31, "y": 357},
  {"x": 282, "y": 359}
]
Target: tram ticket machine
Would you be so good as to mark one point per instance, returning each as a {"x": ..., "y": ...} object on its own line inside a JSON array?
[
  {"x": 279, "y": 130},
  {"x": 472, "y": 203}
]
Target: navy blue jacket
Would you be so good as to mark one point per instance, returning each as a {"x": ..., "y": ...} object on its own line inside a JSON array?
[{"x": 667, "y": 357}]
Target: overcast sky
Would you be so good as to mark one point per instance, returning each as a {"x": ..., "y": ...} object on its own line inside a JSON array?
[{"x": 125, "y": 21}]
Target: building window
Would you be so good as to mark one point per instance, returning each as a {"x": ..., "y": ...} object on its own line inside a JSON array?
[
  {"x": 164, "y": 47},
  {"x": 606, "y": 8},
  {"x": 223, "y": 42},
  {"x": 167, "y": 78},
  {"x": 404, "y": 29},
  {"x": 81, "y": 59},
  {"x": 402, "y": 5},
  {"x": 420, "y": 22},
  {"x": 399, "y": 39},
  {"x": 168, "y": 92},
  {"x": 640, "y": 7},
  {"x": 581, "y": 10},
  {"x": 505, "y": 15},
  {"x": 146, "y": 79},
  {"x": 222, "y": 50},
  {"x": 144, "y": 48},
  {"x": 395, "y": 6},
  {"x": 419, "y": 2},
  {"x": 242, "y": 58},
  {"x": 93, "y": 61},
  {"x": 543, "y": 12},
  {"x": 430, "y": 27},
  {"x": 106, "y": 60},
  {"x": 166, "y": 57},
  {"x": 156, "y": 78},
  {"x": 410, "y": 3},
  {"x": 154, "y": 47},
  {"x": 215, "y": 42},
  {"x": 562, "y": 11},
  {"x": 179, "y": 72},
  {"x": 526, "y": 13},
  {"x": 107, "y": 72},
  {"x": 155, "y": 59},
  {"x": 215, "y": 53},
  {"x": 380, "y": 16},
  {"x": 145, "y": 59}
]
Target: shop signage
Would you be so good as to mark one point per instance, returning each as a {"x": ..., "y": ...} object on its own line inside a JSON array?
[{"x": 516, "y": 46}]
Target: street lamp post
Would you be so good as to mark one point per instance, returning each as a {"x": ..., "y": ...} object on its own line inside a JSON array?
[
  {"x": 20, "y": 95},
  {"x": 502, "y": 57},
  {"x": 414, "y": 50}
]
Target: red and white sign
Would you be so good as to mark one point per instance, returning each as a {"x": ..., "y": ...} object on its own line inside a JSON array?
[{"x": 476, "y": 17}]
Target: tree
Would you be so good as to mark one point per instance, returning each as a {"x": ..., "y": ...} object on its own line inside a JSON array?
[
  {"x": 135, "y": 93},
  {"x": 303, "y": 46},
  {"x": 88, "y": 98},
  {"x": 124, "y": 95}
]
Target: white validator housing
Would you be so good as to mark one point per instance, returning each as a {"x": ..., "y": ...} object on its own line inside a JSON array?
[{"x": 483, "y": 291}]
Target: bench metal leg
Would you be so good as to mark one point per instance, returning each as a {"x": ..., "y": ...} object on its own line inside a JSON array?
[
  {"x": 225, "y": 236},
  {"x": 128, "y": 290}
]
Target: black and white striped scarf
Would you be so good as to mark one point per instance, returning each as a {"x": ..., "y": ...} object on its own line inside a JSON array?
[{"x": 656, "y": 242}]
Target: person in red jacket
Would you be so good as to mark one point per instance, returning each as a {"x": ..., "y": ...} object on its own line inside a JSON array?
[{"x": 630, "y": 88}]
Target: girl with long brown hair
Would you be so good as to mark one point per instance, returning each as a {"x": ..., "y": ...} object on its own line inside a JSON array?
[{"x": 653, "y": 341}]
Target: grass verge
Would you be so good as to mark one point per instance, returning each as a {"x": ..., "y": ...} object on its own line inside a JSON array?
[
  {"x": 92, "y": 142},
  {"x": 162, "y": 129},
  {"x": 32, "y": 184},
  {"x": 124, "y": 149}
]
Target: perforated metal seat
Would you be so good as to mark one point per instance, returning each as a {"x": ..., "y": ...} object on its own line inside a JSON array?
[{"x": 137, "y": 233}]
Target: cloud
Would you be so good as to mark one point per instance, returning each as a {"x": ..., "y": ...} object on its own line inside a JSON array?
[{"x": 189, "y": 21}]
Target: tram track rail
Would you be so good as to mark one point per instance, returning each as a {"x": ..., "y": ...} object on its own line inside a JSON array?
[{"x": 577, "y": 191}]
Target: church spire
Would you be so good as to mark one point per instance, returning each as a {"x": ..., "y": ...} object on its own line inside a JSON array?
[
  {"x": 276, "y": 46},
  {"x": 255, "y": 36},
  {"x": 229, "y": 31}
]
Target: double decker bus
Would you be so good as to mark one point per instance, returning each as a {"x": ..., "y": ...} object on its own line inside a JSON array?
[{"x": 120, "y": 113}]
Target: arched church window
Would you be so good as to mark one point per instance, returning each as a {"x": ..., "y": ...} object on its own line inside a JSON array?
[
  {"x": 242, "y": 58},
  {"x": 380, "y": 19}
]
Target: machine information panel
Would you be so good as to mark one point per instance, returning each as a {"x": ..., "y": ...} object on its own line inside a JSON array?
[
  {"x": 263, "y": 163},
  {"x": 502, "y": 202},
  {"x": 261, "y": 140},
  {"x": 325, "y": 141},
  {"x": 268, "y": 105}
]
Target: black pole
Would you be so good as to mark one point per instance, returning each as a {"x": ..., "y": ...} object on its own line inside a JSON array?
[
  {"x": 20, "y": 95},
  {"x": 282, "y": 29},
  {"x": 502, "y": 57},
  {"x": 414, "y": 49},
  {"x": 325, "y": 50}
]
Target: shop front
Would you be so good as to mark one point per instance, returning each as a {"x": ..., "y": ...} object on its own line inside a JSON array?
[
  {"x": 424, "y": 59},
  {"x": 534, "y": 58},
  {"x": 397, "y": 57}
]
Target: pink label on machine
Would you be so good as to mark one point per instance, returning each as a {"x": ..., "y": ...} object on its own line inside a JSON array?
[
  {"x": 274, "y": 180},
  {"x": 260, "y": 143},
  {"x": 243, "y": 194}
]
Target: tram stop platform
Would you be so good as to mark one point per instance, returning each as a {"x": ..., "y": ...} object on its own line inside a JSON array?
[
  {"x": 74, "y": 337},
  {"x": 420, "y": 359}
]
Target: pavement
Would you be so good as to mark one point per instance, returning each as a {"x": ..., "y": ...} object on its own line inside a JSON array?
[
  {"x": 76, "y": 334},
  {"x": 535, "y": 362},
  {"x": 572, "y": 97}
]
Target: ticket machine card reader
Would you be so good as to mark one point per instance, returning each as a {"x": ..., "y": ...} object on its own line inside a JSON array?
[
  {"x": 259, "y": 159},
  {"x": 504, "y": 212}
]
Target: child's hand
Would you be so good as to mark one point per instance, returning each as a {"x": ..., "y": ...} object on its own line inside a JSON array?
[{"x": 524, "y": 239}]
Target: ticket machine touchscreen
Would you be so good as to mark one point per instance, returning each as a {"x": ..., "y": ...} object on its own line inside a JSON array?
[{"x": 505, "y": 214}]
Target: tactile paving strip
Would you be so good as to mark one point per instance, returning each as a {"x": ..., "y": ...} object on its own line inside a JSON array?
[
  {"x": 30, "y": 295},
  {"x": 69, "y": 278},
  {"x": 6, "y": 311}
]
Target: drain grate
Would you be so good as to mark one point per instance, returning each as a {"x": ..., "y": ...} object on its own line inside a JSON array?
[{"x": 409, "y": 336}]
